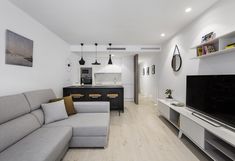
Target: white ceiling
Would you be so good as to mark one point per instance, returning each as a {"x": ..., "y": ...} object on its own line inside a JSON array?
[{"x": 127, "y": 22}]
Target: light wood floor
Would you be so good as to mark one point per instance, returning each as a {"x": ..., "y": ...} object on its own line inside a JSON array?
[{"x": 140, "y": 135}]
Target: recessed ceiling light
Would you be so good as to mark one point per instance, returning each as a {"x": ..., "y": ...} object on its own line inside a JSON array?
[
  {"x": 188, "y": 10},
  {"x": 163, "y": 35}
]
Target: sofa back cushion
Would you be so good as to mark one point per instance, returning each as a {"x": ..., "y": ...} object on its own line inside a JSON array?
[
  {"x": 14, "y": 130},
  {"x": 39, "y": 115},
  {"x": 38, "y": 97},
  {"x": 12, "y": 107}
]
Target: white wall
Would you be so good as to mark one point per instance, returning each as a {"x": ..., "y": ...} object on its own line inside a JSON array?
[
  {"x": 123, "y": 65},
  {"x": 217, "y": 19},
  {"x": 148, "y": 83},
  {"x": 49, "y": 55}
]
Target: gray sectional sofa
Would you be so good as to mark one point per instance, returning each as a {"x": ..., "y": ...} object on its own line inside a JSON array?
[{"x": 25, "y": 137}]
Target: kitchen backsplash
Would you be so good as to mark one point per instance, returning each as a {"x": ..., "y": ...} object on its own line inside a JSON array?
[{"x": 108, "y": 78}]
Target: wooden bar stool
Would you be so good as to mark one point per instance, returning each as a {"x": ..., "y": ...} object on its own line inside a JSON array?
[
  {"x": 112, "y": 95},
  {"x": 77, "y": 95},
  {"x": 95, "y": 95}
]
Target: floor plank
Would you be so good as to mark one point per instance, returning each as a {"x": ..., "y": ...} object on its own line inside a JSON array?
[{"x": 140, "y": 134}]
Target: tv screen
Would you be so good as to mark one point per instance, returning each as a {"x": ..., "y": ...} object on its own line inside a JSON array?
[{"x": 213, "y": 95}]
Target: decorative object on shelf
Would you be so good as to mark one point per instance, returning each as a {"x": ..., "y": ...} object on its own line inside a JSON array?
[
  {"x": 147, "y": 70},
  {"x": 176, "y": 61},
  {"x": 168, "y": 92},
  {"x": 82, "y": 61},
  {"x": 143, "y": 71},
  {"x": 96, "y": 62},
  {"x": 153, "y": 69},
  {"x": 19, "y": 50},
  {"x": 208, "y": 37},
  {"x": 110, "y": 58}
]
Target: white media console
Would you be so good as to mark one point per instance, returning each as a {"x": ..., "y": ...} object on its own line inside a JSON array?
[{"x": 216, "y": 141}]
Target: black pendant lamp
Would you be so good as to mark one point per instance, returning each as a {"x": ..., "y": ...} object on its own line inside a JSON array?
[
  {"x": 82, "y": 61},
  {"x": 110, "y": 58},
  {"x": 96, "y": 62}
]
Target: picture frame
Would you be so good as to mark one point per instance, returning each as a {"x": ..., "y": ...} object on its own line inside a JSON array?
[
  {"x": 147, "y": 70},
  {"x": 19, "y": 50},
  {"x": 153, "y": 69}
]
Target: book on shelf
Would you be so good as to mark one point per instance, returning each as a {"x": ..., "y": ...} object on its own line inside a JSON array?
[
  {"x": 199, "y": 51},
  {"x": 211, "y": 48},
  {"x": 229, "y": 46},
  {"x": 206, "y": 49}
]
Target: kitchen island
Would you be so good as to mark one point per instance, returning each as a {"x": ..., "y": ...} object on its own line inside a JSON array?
[{"x": 112, "y": 93}]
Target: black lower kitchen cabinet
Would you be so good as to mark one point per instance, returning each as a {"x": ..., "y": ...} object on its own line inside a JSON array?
[{"x": 113, "y": 94}]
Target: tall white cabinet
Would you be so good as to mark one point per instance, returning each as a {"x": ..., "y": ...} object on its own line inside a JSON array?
[{"x": 216, "y": 141}]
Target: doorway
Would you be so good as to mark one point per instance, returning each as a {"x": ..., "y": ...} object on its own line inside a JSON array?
[{"x": 147, "y": 76}]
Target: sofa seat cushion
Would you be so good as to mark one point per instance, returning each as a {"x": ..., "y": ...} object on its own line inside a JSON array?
[
  {"x": 44, "y": 144},
  {"x": 13, "y": 131},
  {"x": 86, "y": 124}
]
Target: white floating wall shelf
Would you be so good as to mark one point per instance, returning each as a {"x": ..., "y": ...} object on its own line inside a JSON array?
[{"x": 219, "y": 44}]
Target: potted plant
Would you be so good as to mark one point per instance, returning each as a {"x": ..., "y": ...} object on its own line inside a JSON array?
[{"x": 168, "y": 92}]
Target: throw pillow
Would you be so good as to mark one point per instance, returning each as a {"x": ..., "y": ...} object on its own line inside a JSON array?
[
  {"x": 68, "y": 101},
  {"x": 55, "y": 100},
  {"x": 54, "y": 111}
]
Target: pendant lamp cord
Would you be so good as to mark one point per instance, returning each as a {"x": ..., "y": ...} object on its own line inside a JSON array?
[
  {"x": 82, "y": 49},
  {"x": 96, "y": 50},
  {"x": 110, "y": 44}
]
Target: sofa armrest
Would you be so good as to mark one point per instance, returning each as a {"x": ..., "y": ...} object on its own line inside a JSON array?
[{"x": 92, "y": 107}]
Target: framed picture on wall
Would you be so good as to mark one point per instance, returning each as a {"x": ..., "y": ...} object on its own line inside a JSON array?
[
  {"x": 147, "y": 70},
  {"x": 153, "y": 69},
  {"x": 143, "y": 71},
  {"x": 19, "y": 50}
]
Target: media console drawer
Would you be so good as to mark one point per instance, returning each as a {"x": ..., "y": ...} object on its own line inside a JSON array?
[
  {"x": 192, "y": 130},
  {"x": 164, "y": 110}
]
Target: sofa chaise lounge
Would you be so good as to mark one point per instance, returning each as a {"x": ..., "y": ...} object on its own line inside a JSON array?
[{"x": 25, "y": 137}]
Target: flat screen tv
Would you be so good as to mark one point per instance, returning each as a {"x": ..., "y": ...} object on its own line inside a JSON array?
[{"x": 213, "y": 96}]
